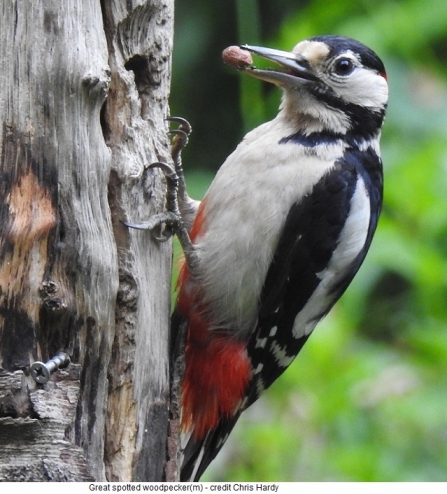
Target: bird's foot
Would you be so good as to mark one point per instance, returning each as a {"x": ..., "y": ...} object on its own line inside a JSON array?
[
  {"x": 168, "y": 223},
  {"x": 181, "y": 137},
  {"x": 163, "y": 225},
  {"x": 179, "y": 142}
]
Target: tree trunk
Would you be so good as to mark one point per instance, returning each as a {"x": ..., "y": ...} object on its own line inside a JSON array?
[{"x": 83, "y": 98}]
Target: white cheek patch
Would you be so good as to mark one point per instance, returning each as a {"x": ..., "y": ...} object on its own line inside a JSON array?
[{"x": 364, "y": 87}]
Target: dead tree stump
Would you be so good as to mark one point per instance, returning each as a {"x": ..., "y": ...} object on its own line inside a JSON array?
[{"x": 83, "y": 98}]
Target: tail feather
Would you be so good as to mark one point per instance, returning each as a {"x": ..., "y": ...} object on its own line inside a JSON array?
[
  {"x": 199, "y": 454},
  {"x": 198, "y": 447}
]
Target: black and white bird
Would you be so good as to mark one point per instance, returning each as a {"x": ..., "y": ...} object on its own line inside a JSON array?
[{"x": 280, "y": 234}]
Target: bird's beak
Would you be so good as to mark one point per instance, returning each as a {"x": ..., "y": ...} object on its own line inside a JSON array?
[{"x": 296, "y": 70}]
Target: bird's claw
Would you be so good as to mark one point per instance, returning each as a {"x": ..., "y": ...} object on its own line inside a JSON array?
[
  {"x": 184, "y": 125},
  {"x": 180, "y": 139},
  {"x": 162, "y": 226},
  {"x": 168, "y": 170}
]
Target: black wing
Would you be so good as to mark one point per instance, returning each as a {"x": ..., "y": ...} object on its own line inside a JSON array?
[{"x": 308, "y": 240}]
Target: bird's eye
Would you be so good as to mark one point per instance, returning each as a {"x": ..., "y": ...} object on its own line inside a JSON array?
[{"x": 343, "y": 66}]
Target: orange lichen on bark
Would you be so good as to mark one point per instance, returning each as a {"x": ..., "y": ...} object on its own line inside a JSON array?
[{"x": 31, "y": 217}]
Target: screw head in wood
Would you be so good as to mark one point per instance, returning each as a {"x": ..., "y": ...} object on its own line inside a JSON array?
[{"x": 41, "y": 372}]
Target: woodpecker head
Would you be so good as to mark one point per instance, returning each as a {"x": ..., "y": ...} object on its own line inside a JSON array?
[{"x": 330, "y": 83}]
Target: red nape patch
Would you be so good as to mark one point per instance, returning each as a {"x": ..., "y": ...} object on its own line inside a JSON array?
[
  {"x": 383, "y": 74},
  {"x": 216, "y": 378}
]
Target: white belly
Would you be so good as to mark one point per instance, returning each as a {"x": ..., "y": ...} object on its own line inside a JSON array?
[{"x": 246, "y": 207}]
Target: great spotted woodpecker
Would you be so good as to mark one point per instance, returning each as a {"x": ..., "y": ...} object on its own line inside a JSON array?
[{"x": 280, "y": 234}]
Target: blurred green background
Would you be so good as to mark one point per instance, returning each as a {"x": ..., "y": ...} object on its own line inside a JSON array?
[{"x": 366, "y": 399}]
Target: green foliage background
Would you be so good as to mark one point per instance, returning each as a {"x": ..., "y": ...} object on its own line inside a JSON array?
[{"x": 366, "y": 400}]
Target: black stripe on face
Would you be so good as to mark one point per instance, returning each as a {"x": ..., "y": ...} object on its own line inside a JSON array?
[
  {"x": 364, "y": 126},
  {"x": 364, "y": 123}
]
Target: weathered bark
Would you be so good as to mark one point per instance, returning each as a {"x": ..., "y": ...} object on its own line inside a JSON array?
[{"x": 83, "y": 97}]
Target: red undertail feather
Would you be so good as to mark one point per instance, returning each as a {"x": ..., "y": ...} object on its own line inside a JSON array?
[
  {"x": 216, "y": 376},
  {"x": 217, "y": 366}
]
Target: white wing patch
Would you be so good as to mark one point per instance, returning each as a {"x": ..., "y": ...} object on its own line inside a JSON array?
[
  {"x": 258, "y": 369},
  {"x": 351, "y": 241},
  {"x": 261, "y": 343},
  {"x": 282, "y": 359}
]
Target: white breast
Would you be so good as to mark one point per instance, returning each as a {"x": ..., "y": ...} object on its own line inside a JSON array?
[{"x": 246, "y": 207}]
